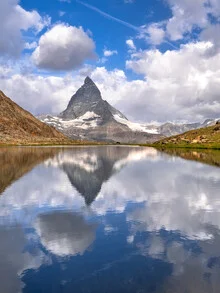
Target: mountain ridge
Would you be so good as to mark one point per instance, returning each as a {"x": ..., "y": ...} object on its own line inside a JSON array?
[
  {"x": 208, "y": 137},
  {"x": 18, "y": 126}
]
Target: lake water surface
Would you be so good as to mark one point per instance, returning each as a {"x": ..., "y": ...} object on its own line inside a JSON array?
[{"x": 108, "y": 219}]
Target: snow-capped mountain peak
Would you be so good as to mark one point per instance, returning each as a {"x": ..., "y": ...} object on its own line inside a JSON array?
[{"x": 88, "y": 116}]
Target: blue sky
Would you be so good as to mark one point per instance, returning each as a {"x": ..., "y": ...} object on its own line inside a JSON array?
[
  {"x": 107, "y": 33},
  {"x": 155, "y": 60}
]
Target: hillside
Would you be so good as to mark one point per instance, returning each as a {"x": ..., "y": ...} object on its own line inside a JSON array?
[
  {"x": 18, "y": 126},
  {"x": 208, "y": 137}
]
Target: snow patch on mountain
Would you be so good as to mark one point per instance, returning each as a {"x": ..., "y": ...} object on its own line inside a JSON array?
[
  {"x": 91, "y": 120},
  {"x": 86, "y": 121},
  {"x": 136, "y": 126}
]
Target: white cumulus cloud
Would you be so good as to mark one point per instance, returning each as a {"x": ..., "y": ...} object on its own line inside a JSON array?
[
  {"x": 109, "y": 53},
  {"x": 14, "y": 20},
  {"x": 30, "y": 46},
  {"x": 156, "y": 34},
  {"x": 182, "y": 84},
  {"x": 130, "y": 44},
  {"x": 178, "y": 85},
  {"x": 63, "y": 47},
  {"x": 186, "y": 15}
]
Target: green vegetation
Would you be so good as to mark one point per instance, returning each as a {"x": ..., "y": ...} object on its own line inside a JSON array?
[
  {"x": 204, "y": 138},
  {"x": 51, "y": 143}
]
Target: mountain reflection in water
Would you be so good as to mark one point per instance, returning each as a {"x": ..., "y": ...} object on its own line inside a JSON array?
[{"x": 108, "y": 219}]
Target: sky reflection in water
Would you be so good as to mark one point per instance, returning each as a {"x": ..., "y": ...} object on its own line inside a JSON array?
[{"x": 108, "y": 219}]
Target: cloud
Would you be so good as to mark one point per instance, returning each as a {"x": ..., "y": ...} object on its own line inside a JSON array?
[
  {"x": 214, "y": 8},
  {"x": 190, "y": 15},
  {"x": 187, "y": 79},
  {"x": 14, "y": 20},
  {"x": 186, "y": 15},
  {"x": 39, "y": 94},
  {"x": 155, "y": 34},
  {"x": 130, "y": 44},
  {"x": 211, "y": 33},
  {"x": 30, "y": 46},
  {"x": 63, "y": 47},
  {"x": 108, "y": 53},
  {"x": 178, "y": 85},
  {"x": 188, "y": 20},
  {"x": 129, "y": 1},
  {"x": 62, "y": 13}
]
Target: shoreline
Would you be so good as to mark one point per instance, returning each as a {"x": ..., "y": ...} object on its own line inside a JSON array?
[{"x": 156, "y": 145}]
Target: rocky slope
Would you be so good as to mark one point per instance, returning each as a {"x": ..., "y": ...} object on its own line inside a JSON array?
[
  {"x": 88, "y": 116},
  {"x": 170, "y": 129},
  {"x": 208, "y": 137},
  {"x": 18, "y": 126}
]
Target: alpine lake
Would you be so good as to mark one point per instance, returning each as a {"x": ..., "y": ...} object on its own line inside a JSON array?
[{"x": 106, "y": 219}]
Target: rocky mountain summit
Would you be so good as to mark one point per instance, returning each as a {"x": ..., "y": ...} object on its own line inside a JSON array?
[
  {"x": 88, "y": 99},
  {"x": 89, "y": 117}
]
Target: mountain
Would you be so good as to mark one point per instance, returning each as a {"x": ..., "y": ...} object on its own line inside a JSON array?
[
  {"x": 88, "y": 99},
  {"x": 18, "y": 126},
  {"x": 208, "y": 137},
  {"x": 88, "y": 116},
  {"x": 170, "y": 129}
]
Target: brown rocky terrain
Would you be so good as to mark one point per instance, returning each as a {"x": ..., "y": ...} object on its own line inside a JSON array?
[{"x": 18, "y": 126}]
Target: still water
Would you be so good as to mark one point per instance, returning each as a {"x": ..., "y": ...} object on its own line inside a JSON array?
[{"x": 108, "y": 219}]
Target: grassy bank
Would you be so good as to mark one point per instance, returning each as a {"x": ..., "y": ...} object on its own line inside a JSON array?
[{"x": 204, "y": 138}]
